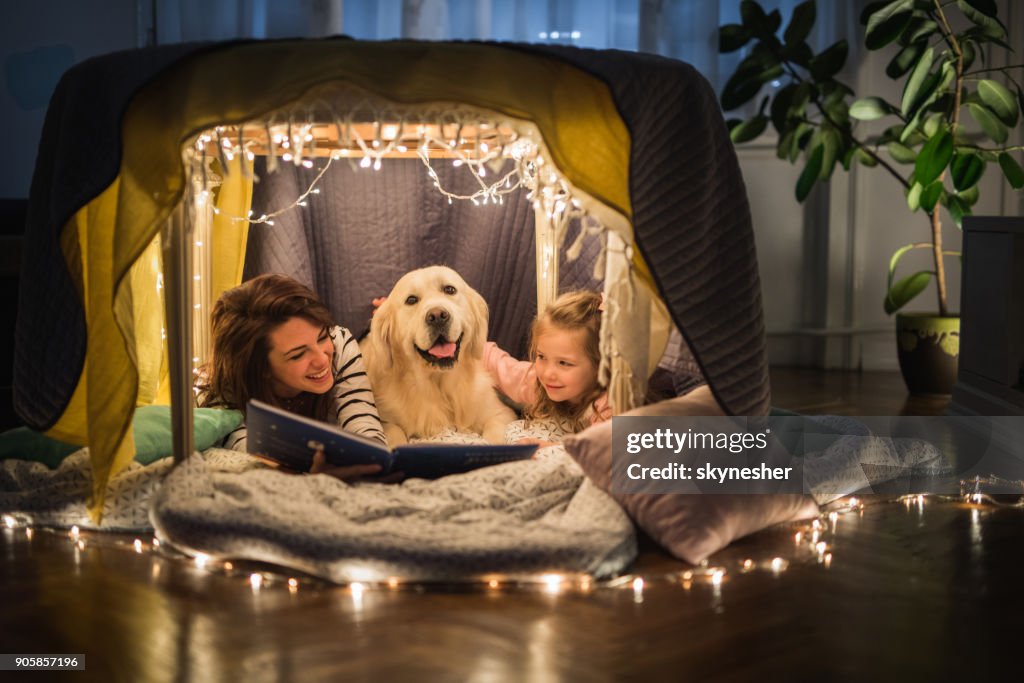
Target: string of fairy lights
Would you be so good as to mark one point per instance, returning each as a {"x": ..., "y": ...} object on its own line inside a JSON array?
[
  {"x": 501, "y": 156},
  {"x": 812, "y": 544}
]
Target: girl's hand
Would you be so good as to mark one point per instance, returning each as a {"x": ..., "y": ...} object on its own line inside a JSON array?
[
  {"x": 351, "y": 473},
  {"x": 377, "y": 303}
]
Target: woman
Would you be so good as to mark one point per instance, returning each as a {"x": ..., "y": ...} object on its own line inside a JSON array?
[{"x": 275, "y": 341}]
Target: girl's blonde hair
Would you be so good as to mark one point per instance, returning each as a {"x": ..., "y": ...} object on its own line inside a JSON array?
[{"x": 571, "y": 312}]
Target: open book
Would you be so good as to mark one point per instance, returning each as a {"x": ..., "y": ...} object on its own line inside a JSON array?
[{"x": 292, "y": 440}]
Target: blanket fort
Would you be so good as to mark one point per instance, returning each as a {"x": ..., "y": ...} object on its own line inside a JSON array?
[{"x": 111, "y": 175}]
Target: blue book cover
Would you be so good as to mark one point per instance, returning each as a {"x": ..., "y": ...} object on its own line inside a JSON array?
[{"x": 291, "y": 440}]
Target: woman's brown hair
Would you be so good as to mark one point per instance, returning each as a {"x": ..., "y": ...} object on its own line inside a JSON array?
[
  {"x": 242, "y": 321},
  {"x": 572, "y": 312}
]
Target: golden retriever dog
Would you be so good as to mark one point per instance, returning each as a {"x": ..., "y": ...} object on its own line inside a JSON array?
[{"x": 424, "y": 359}]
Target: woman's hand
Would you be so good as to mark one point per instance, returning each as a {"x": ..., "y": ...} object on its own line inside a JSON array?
[{"x": 352, "y": 473}]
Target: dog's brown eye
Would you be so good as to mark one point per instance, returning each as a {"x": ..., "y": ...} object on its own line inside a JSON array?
[
  {"x": 412, "y": 300},
  {"x": 448, "y": 289}
]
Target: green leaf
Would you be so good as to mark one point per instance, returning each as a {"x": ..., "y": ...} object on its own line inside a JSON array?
[
  {"x": 984, "y": 6},
  {"x": 992, "y": 126},
  {"x": 901, "y": 153},
  {"x": 981, "y": 35},
  {"x": 911, "y": 127},
  {"x": 830, "y": 61},
  {"x": 798, "y": 53},
  {"x": 870, "y": 108},
  {"x": 864, "y": 158},
  {"x": 836, "y": 107},
  {"x": 870, "y": 9},
  {"x": 958, "y": 208},
  {"x": 969, "y": 196},
  {"x": 748, "y": 130},
  {"x": 895, "y": 259},
  {"x": 787, "y": 142},
  {"x": 989, "y": 24},
  {"x": 800, "y": 23},
  {"x": 732, "y": 37},
  {"x": 932, "y": 124},
  {"x": 753, "y": 17},
  {"x": 831, "y": 143},
  {"x": 773, "y": 22},
  {"x": 904, "y": 59},
  {"x": 795, "y": 143},
  {"x": 934, "y": 157},
  {"x": 914, "y": 196},
  {"x": 780, "y": 107},
  {"x": 1012, "y": 170},
  {"x": 930, "y": 196},
  {"x": 967, "y": 169},
  {"x": 919, "y": 30},
  {"x": 1000, "y": 100},
  {"x": 738, "y": 91},
  {"x": 810, "y": 173},
  {"x": 886, "y": 24},
  {"x": 916, "y": 80},
  {"x": 903, "y": 291}
]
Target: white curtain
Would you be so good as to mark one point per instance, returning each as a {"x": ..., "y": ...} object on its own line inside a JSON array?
[{"x": 682, "y": 29}]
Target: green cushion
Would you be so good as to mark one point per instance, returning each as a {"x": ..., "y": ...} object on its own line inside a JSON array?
[
  {"x": 153, "y": 430},
  {"x": 151, "y": 426},
  {"x": 24, "y": 444}
]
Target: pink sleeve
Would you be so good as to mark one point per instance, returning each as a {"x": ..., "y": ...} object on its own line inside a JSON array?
[
  {"x": 602, "y": 411},
  {"x": 514, "y": 378}
]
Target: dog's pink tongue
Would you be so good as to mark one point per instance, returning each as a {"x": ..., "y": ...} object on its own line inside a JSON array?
[{"x": 442, "y": 350}]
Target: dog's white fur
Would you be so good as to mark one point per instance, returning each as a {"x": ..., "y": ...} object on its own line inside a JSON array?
[{"x": 415, "y": 397}]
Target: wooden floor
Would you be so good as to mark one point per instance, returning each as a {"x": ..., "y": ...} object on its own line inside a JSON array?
[{"x": 929, "y": 591}]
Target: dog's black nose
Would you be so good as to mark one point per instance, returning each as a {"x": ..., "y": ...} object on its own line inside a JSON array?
[{"x": 437, "y": 316}]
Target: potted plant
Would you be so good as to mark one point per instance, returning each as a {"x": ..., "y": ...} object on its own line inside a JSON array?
[{"x": 954, "y": 118}]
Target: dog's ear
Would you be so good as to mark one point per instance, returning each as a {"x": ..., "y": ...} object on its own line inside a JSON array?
[
  {"x": 382, "y": 329},
  {"x": 478, "y": 307}
]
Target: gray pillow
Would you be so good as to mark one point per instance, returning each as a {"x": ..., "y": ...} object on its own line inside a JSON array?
[{"x": 690, "y": 526}]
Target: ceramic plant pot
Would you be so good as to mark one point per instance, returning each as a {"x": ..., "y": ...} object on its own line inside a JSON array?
[{"x": 929, "y": 347}]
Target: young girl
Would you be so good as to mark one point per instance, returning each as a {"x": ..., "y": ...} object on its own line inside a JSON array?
[
  {"x": 275, "y": 341},
  {"x": 560, "y": 382}
]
